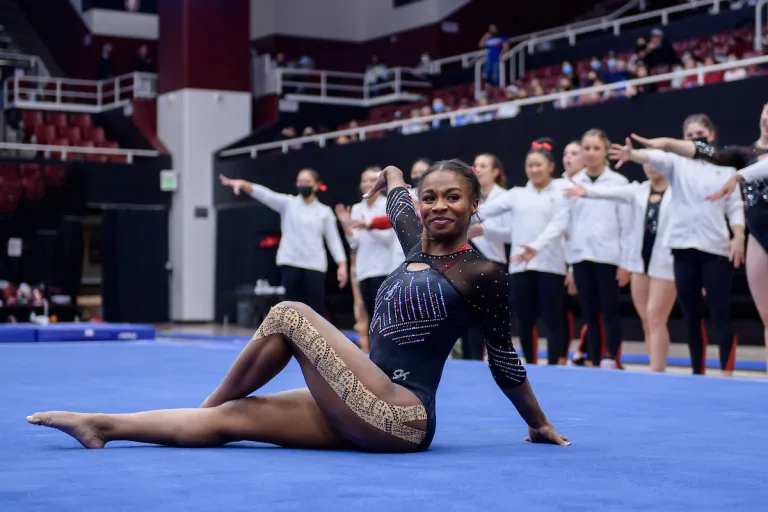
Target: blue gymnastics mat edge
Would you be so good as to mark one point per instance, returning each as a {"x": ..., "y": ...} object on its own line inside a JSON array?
[
  {"x": 625, "y": 358},
  {"x": 81, "y": 331}
]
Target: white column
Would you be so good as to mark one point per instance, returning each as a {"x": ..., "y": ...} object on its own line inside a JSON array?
[{"x": 193, "y": 124}]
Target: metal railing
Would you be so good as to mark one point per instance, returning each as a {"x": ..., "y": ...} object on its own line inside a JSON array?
[
  {"x": 758, "y": 46},
  {"x": 560, "y": 97},
  {"x": 514, "y": 59},
  {"x": 91, "y": 96},
  {"x": 343, "y": 88},
  {"x": 69, "y": 150},
  {"x": 20, "y": 60},
  {"x": 470, "y": 58}
]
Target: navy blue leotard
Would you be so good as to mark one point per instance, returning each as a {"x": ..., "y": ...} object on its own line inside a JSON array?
[{"x": 419, "y": 314}]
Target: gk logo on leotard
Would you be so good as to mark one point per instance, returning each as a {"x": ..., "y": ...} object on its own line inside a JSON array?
[{"x": 400, "y": 374}]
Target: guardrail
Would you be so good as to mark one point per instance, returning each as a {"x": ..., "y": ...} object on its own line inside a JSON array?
[
  {"x": 337, "y": 87},
  {"x": 72, "y": 95},
  {"x": 759, "y": 24},
  {"x": 514, "y": 59},
  {"x": 470, "y": 58},
  {"x": 66, "y": 150},
  {"x": 35, "y": 63},
  {"x": 321, "y": 139}
]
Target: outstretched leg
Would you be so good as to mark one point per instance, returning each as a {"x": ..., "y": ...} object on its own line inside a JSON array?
[
  {"x": 290, "y": 419},
  {"x": 359, "y": 403}
]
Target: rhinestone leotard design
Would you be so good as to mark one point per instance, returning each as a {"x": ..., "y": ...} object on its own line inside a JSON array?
[
  {"x": 386, "y": 417},
  {"x": 420, "y": 314}
]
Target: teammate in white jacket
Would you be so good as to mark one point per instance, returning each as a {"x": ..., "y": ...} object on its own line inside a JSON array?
[
  {"x": 651, "y": 264},
  {"x": 704, "y": 253},
  {"x": 598, "y": 248},
  {"x": 306, "y": 225}
]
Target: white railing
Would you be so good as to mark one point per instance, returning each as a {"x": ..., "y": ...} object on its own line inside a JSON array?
[
  {"x": 560, "y": 97},
  {"x": 514, "y": 59},
  {"x": 72, "y": 95},
  {"x": 35, "y": 63},
  {"x": 69, "y": 150},
  {"x": 342, "y": 88},
  {"x": 759, "y": 24},
  {"x": 470, "y": 58}
]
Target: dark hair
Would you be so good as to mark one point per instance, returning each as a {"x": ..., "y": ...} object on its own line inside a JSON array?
[
  {"x": 315, "y": 175},
  {"x": 501, "y": 179},
  {"x": 702, "y": 119},
  {"x": 423, "y": 161},
  {"x": 544, "y": 146},
  {"x": 463, "y": 169},
  {"x": 321, "y": 187}
]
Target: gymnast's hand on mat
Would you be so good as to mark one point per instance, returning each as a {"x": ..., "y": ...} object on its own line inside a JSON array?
[
  {"x": 526, "y": 255},
  {"x": 575, "y": 190},
  {"x": 728, "y": 188},
  {"x": 546, "y": 434}
]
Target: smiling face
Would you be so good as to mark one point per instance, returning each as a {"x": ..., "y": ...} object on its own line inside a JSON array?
[
  {"x": 446, "y": 204},
  {"x": 538, "y": 169}
]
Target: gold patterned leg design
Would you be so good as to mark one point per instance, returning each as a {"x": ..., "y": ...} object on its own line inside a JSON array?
[{"x": 373, "y": 410}]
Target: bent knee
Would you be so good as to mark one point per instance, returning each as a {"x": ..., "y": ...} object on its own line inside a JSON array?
[{"x": 299, "y": 307}]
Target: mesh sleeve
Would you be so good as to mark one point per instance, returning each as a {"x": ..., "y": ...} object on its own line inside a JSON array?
[
  {"x": 731, "y": 156},
  {"x": 402, "y": 215}
]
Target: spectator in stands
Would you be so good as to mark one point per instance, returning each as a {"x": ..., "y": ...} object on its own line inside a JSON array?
[
  {"x": 415, "y": 125},
  {"x": 615, "y": 70},
  {"x": 425, "y": 65},
  {"x": 279, "y": 61},
  {"x": 288, "y": 133},
  {"x": 142, "y": 62},
  {"x": 508, "y": 109},
  {"x": 495, "y": 45},
  {"x": 734, "y": 74},
  {"x": 105, "y": 68},
  {"x": 568, "y": 73},
  {"x": 596, "y": 64},
  {"x": 659, "y": 51},
  {"x": 375, "y": 73},
  {"x": 712, "y": 77},
  {"x": 642, "y": 72},
  {"x": 691, "y": 80}
]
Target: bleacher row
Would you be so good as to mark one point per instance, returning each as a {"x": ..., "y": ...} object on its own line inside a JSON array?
[
  {"x": 27, "y": 180},
  {"x": 737, "y": 42},
  {"x": 62, "y": 129}
]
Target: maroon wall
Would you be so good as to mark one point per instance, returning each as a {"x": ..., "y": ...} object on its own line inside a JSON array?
[
  {"x": 64, "y": 33},
  {"x": 204, "y": 45}
]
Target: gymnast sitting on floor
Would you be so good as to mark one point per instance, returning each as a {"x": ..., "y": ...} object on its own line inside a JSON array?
[{"x": 382, "y": 404}]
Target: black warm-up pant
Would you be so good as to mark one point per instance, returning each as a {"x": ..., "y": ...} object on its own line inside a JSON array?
[
  {"x": 537, "y": 294},
  {"x": 307, "y": 286},
  {"x": 695, "y": 270},
  {"x": 369, "y": 287},
  {"x": 599, "y": 297}
]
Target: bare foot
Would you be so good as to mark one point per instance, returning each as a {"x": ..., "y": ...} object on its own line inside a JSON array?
[{"x": 74, "y": 424}]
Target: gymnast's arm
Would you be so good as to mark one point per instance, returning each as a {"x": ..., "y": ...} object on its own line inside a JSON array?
[
  {"x": 401, "y": 211},
  {"x": 273, "y": 200},
  {"x": 489, "y": 301}
]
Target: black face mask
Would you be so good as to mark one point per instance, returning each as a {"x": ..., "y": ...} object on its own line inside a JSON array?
[
  {"x": 415, "y": 182},
  {"x": 702, "y": 140},
  {"x": 304, "y": 190}
]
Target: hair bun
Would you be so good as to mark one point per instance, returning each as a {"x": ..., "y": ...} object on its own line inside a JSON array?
[{"x": 545, "y": 144}]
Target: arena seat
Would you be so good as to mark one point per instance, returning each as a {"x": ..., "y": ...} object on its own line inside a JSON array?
[{"x": 74, "y": 129}]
